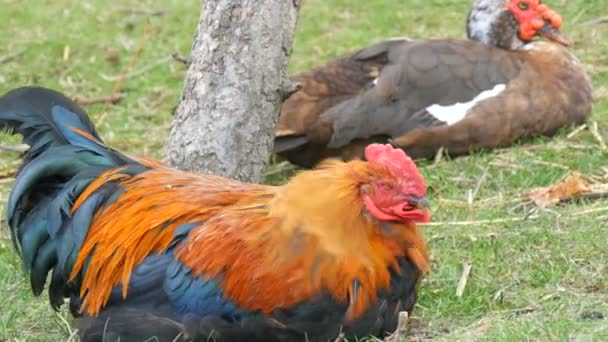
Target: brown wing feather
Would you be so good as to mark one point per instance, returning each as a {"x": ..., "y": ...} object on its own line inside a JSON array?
[{"x": 330, "y": 84}]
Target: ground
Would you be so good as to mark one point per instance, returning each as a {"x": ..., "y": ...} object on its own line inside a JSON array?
[{"x": 534, "y": 276}]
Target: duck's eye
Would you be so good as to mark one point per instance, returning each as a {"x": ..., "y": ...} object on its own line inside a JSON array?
[{"x": 523, "y": 5}]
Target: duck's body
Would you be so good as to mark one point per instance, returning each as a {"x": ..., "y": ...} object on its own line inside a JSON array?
[{"x": 485, "y": 92}]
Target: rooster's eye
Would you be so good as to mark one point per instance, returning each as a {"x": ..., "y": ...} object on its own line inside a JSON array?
[
  {"x": 387, "y": 186},
  {"x": 523, "y": 5}
]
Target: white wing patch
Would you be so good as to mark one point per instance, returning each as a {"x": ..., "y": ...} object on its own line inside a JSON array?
[{"x": 457, "y": 111}]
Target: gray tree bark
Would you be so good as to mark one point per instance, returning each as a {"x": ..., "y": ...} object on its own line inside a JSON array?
[{"x": 234, "y": 87}]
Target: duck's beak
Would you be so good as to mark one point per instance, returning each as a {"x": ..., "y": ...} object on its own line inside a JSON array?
[{"x": 551, "y": 33}]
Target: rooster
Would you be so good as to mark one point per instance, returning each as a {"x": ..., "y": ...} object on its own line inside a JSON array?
[{"x": 144, "y": 250}]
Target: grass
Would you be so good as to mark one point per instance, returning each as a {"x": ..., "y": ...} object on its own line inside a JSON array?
[{"x": 544, "y": 278}]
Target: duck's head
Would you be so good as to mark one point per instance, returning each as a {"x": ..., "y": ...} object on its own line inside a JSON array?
[{"x": 510, "y": 24}]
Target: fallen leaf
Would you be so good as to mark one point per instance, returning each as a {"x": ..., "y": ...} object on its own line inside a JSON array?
[
  {"x": 572, "y": 186},
  {"x": 112, "y": 56}
]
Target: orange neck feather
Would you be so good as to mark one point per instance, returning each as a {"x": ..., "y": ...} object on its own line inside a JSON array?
[{"x": 314, "y": 237}]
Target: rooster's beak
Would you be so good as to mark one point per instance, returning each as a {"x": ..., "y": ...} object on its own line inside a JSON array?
[
  {"x": 551, "y": 33},
  {"x": 419, "y": 203}
]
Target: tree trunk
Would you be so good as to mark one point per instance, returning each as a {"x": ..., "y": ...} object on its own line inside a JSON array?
[{"x": 234, "y": 87}]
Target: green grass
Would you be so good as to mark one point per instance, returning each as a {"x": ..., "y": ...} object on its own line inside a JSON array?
[{"x": 539, "y": 279}]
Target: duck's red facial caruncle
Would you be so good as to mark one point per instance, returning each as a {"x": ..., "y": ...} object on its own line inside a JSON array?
[{"x": 537, "y": 19}]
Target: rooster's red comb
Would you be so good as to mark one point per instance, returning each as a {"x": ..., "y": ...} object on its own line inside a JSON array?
[{"x": 400, "y": 164}]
